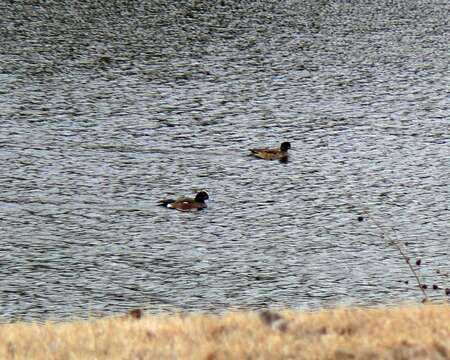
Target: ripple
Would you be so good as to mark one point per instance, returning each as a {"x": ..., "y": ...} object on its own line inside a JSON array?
[{"x": 103, "y": 116}]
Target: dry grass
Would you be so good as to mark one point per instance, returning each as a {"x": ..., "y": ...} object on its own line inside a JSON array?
[{"x": 408, "y": 332}]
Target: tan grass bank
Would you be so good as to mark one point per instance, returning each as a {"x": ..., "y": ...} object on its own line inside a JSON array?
[{"x": 408, "y": 332}]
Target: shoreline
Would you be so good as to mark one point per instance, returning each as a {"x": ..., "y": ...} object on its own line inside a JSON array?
[{"x": 401, "y": 332}]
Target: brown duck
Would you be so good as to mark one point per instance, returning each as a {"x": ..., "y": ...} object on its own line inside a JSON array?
[
  {"x": 273, "y": 154},
  {"x": 186, "y": 203}
]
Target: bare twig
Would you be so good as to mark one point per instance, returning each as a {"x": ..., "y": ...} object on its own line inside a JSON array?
[{"x": 397, "y": 244}]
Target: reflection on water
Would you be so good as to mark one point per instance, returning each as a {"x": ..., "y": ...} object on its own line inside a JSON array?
[{"x": 102, "y": 117}]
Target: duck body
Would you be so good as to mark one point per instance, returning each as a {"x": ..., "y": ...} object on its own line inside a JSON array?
[
  {"x": 187, "y": 203},
  {"x": 280, "y": 154}
]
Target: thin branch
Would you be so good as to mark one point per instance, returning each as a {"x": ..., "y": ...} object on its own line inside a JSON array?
[{"x": 398, "y": 246}]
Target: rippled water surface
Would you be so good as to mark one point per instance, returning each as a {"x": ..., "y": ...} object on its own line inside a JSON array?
[{"x": 107, "y": 108}]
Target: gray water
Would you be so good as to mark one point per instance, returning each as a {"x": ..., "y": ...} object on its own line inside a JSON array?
[{"x": 105, "y": 109}]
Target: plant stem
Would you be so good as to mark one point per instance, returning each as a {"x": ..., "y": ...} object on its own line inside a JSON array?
[{"x": 397, "y": 245}]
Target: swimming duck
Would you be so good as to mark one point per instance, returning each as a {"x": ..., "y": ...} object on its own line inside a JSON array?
[
  {"x": 186, "y": 203},
  {"x": 273, "y": 154}
]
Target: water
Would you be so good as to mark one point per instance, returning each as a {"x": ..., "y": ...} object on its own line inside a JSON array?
[{"x": 105, "y": 109}]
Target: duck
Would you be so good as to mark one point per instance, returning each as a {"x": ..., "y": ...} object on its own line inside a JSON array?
[
  {"x": 280, "y": 154},
  {"x": 187, "y": 203}
]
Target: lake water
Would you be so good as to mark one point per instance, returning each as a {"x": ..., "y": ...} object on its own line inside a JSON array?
[{"x": 105, "y": 109}]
